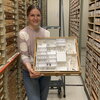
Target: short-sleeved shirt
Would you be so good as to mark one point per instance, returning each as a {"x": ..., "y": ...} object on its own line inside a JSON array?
[{"x": 26, "y": 42}]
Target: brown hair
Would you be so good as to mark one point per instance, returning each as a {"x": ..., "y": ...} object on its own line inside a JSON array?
[{"x": 32, "y": 7}]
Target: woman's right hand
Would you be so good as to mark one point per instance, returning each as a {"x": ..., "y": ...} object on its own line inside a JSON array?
[{"x": 33, "y": 74}]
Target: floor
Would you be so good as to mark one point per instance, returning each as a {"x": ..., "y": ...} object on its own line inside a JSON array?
[{"x": 74, "y": 90}]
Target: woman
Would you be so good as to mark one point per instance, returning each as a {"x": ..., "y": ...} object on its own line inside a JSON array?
[{"x": 36, "y": 85}]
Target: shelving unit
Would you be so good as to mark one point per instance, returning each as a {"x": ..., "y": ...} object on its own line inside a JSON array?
[
  {"x": 28, "y": 2},
  {"x": 12, "y": 20},
  {"x": 21, "y": 89},
  {"x": 12, "y": 81},
  {"x": 92, "y": 74},
  {"x": 21, "y": 14},
  {"x": 22, "y": 5},
  {"x": 44, "y": 12},
  {"x": 35, "y": 2},
  {"x": 10, "y": 12},
  {"x": 2, "y": 35},
  {"x": 2, "y": 95},
  {"x": 74, "y": 18},
  {"x": 10, "y": 26}
]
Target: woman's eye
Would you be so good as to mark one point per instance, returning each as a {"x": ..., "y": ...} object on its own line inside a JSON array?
[
  {"x": 33, "y": 15},
  {"x": 38, "y": 15}
]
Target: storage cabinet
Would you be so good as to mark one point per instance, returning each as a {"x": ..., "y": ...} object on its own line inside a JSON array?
[
  {"x": 2, "y": 35},
  {"x": 74, "y": 18},
  {"x": 2, "y": 95},
  {"x": 21, "y": 14},
  {"x": 21, "y": 88},
  {"x": 35, "y": 2},
  {"x": 8, "y": 28},
  {"x": 92, "y": 79},
  {"x": 12, "y": 82},
  {"x": 44, "y": 12},
  {"x": 12, "y": 20}
]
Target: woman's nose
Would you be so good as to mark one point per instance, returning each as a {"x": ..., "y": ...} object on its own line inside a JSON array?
[{"x": 35, "y": 17}]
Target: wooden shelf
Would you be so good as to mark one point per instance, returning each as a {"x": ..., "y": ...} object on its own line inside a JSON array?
[
  {"x": 91, "y": 16},
  {"x": 97, "y": 23},
  {"x": 90, "y": 23},
  {"x": 91, "y": 9},
  {"x": 91, "y": 30},
  {"x": 97, "y": 15},
  {"x": 92, "y": 2},
  {"x": 97, "y": 32},
  {"x": 97, "y": 8},
  {"x": 94, "y": 38},
  {"x": 93, "y": 48},
  {"x": 97, "y": 70},
  {"x": 94, "y": 95}
]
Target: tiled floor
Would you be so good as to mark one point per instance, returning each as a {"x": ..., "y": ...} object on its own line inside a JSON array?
[{"x": 74, "y": 90}]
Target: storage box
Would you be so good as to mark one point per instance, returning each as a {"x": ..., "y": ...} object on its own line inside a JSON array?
[{"x": 56, "y": 56}]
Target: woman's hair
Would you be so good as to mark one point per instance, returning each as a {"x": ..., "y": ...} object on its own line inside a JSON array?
[{"x": 32, "y": 7}]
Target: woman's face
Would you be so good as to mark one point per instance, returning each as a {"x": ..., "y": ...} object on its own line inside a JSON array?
[{"x": 34, "y": 18}]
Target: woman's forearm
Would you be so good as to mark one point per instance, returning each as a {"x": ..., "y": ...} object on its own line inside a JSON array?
[{"x": 28, "y": 65}]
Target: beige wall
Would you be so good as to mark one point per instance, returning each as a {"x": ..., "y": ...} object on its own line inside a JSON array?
[
  {"x": 66, "y": 16},
  {"x": 53, "y": 15},
  {"x": 53, "y": 18}
]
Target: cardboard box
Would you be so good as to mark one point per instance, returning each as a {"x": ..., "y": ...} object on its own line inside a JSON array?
[{"x": 56, "y": 56}]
